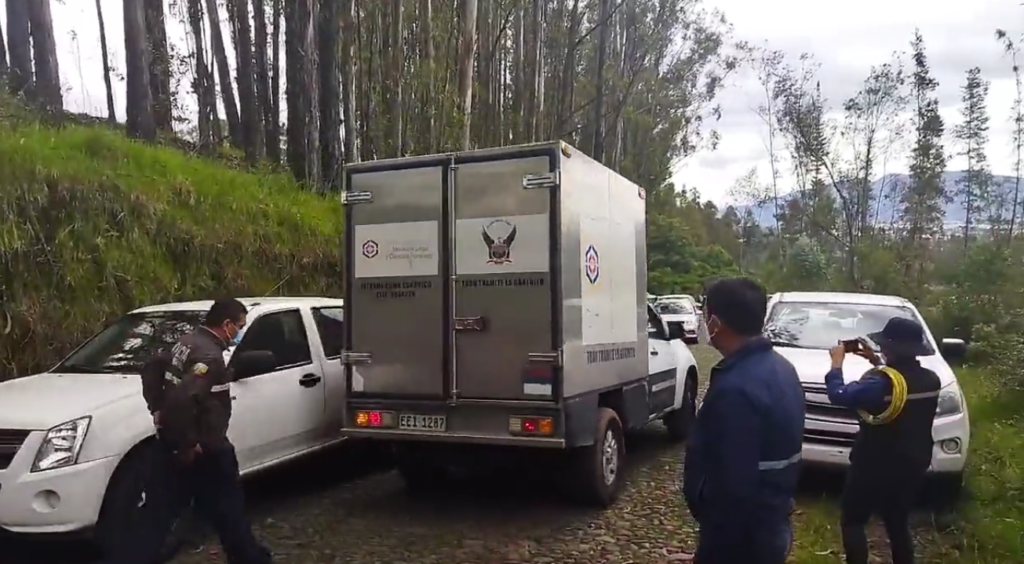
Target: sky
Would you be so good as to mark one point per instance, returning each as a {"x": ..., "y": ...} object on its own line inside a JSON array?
[{"x": 845, "y": 38}]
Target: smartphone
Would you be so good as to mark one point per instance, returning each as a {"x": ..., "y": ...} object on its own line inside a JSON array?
[{"x": 852, "y": 345}]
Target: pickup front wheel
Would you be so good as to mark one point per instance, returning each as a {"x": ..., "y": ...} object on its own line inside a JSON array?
[
  {"x": 600, "y": 466},
  {"x": 678, "y": 422}
]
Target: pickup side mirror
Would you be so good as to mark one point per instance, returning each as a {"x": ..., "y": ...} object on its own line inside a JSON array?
[
  {"x": 253, "y": 363},
  {"x": 675, "y": 331},
  {"x": 953, "y": 349}
]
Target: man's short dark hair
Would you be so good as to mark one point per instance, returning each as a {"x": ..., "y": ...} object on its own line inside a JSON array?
[
  {"x": 227, "y": 309},
  {"x": 739, "y": 304}
]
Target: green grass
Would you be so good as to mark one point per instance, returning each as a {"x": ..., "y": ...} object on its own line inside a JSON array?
[
  {"x": 987, "y": 527},
  {"x": 93, "y": 224}
]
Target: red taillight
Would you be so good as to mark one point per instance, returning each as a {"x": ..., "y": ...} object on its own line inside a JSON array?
[{"x": 375, "y": 419}]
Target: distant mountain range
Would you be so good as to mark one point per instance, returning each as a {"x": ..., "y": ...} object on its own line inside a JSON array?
[{"x": 886, "y": 206}]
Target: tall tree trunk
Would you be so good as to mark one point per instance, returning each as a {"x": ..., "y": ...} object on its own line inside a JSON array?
[
  {"x": 467, "y": 49},
  {"x": 348, "y": 74},
  {"x": 19, "y": 45},
  {"x": 485, "y": 64},
  {"x": 597, "y": 151},
  {"x": 250, "y": 115},
  {"x": 537, "y": 79},
  {"x": 328, "y": 39},
  {"x": 518, "y": 74},
  {"x": 206, "y": 97},
  {"x": 105, "y": 54},
  {"x": 259, "y": 16},
  {"x": 301, "y": 91},
  {"x": 3, "y": 57},
  {"x": 274, "y": 138},
  {"x": 397, "y": 62},
  {"x": 159, "y": 65},
  {"x": 428, "y": 99},
  {"x": 44, "y": 51},
  {"x": 227, "y": 93},
  {"x": 139, "y": 107}
]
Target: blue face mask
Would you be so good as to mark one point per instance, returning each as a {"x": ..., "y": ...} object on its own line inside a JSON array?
[{"x": 237, "y": 339}]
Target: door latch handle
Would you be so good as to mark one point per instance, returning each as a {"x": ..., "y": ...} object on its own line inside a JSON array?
[
  {"x": 309, "y": 380},
  {"x": 470, "y": 323},
  {"x": 654, "y": 352}
]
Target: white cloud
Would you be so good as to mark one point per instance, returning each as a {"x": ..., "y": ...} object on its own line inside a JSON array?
[{"x": 847, "y": 39}]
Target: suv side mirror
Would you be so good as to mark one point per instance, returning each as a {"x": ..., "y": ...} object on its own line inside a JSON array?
[
  {"x": 953, "y": 349},
  {"x": 253, "y": 363}
]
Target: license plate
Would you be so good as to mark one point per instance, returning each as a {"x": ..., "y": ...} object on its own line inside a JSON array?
[{"x": 415, "y": 422}]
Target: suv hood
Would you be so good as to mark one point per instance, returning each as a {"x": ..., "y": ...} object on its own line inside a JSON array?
[
  {"x": 813, "y": 364},
  {"x": 45, "y": 400}
]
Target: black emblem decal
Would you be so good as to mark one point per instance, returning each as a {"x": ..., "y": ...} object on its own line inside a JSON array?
[{"x": 499, "y": 248}]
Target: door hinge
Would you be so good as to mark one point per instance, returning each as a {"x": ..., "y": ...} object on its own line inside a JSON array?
[
  {"x": 350, "y": 198},
  {"x": 470, "y": 323},
  {"x": 545, "y": 180},
  {"x": 554, "y": 358},
  {"x": 350, "y": 357}
]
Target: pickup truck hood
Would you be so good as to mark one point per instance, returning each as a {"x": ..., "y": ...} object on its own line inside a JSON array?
[
  {"x": 812, "y": 364},
  {"x": 45, "y": 400}
]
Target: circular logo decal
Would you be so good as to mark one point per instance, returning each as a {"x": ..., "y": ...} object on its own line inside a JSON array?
[
  {"x": 370, "y": 248},
  {"x": 592, "y": 264}
]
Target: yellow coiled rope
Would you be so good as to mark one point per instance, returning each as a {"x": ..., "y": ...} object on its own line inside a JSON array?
[{"x": 896, "y": 401}]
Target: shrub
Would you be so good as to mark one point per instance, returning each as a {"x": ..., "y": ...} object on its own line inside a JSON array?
[{"x": 92, "y": 225}]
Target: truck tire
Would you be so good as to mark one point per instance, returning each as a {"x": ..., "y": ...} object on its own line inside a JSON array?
[
  {"x": 126, "y": 501},
  {"x": 600, "y": 465},
  {"x": 679, "y": 421}
]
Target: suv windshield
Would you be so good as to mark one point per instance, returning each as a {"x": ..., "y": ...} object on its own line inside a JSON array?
[
  {"x": 822, "y": 325},
  {"x": 673, "y": 308},
  {"x": 126, "y": 345}
]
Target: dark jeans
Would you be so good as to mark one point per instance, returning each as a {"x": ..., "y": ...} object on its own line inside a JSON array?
[
  {"x": 888, "y": 492},
  {"x": 211, "y": 482},
  {"x": 770, "y": 544}
]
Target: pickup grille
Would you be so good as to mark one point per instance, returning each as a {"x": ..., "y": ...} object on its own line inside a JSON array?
[
  {"x": 820, "y": 410},
  {"x": 10, "y": 441}
]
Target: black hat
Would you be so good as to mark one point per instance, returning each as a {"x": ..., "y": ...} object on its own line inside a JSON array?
[{"x": 902, "y": 336}]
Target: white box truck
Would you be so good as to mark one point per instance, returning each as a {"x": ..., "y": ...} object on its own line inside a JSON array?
[{"x": 496, "y": 304}]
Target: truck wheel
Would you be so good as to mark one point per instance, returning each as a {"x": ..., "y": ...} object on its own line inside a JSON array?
[
  {"x": 679, "y": 421},
  {"x": 601, "y": 464},
  {"x": 129, "y": 496}
]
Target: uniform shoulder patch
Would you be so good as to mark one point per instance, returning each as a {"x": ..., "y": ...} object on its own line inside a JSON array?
[{"x": 200, "y": 369}]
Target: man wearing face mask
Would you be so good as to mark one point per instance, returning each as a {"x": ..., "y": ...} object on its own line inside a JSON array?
[
  {"x": 188, "y": 391},
  {"x": 742, "y": 461}
]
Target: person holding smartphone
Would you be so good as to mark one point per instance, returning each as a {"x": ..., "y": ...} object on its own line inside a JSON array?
[{"x": 892, "y": 453}]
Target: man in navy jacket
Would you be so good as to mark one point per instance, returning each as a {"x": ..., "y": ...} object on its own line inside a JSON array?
[{"x": 742, "y": 462}]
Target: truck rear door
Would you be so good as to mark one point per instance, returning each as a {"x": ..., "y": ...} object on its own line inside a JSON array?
[
  {"x": 395, "y": 307},
  {"x": 504, "y": 293}
]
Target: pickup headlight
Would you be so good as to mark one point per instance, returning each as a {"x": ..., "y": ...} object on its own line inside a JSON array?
[
  {"x": 950, "y": 401},
  {"x": 61, "y": 445}
]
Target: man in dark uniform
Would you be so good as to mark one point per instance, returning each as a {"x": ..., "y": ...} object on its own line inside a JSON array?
[
  {"x": 188, "y": 393},
  {"x": 742, "y": 462},
  {"x": 890, "y": 457}
]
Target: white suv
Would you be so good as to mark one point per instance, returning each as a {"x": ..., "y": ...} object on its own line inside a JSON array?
[{"x": 804, "y": 325}]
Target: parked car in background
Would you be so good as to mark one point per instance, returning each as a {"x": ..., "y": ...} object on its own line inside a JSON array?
[
  {"x": 75, "y": 441},
  {"x": 804, "y": 325},
  {"x": 680, "y": 313}
]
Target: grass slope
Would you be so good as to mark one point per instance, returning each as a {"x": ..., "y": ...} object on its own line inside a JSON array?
[{"x": 92, "y": 224}]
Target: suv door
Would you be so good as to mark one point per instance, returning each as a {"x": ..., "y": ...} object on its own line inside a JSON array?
[
  {"x": 330, "y": 327},
  {"x": 277, "y": 413},
  {"x": 661, "y": 382}
]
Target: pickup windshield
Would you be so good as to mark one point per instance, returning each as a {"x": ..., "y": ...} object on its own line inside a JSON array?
[
  {"x": 674, "y": 308},
  {"x": 127, "y": 344},
  {"x": 822, "y": 325}
]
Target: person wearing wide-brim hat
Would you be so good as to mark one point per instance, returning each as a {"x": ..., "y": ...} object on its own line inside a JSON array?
[{"x": 897, "y": 400}]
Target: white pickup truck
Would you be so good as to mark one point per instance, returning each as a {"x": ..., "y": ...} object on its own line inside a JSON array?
[{"x": 74, "y": 440}]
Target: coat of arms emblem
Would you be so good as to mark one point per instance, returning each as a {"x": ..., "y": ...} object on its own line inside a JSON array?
[{"x": 499, "y": 235}]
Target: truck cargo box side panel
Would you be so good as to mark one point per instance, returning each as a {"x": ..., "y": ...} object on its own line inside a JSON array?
[
  {"x": 604, "y": 279},
  {"x": 395, "y": 307},
  {"x": 503, "y": 244}
]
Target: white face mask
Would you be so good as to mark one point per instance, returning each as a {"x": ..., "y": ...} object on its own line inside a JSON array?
[{"x": 711, "y": 334}]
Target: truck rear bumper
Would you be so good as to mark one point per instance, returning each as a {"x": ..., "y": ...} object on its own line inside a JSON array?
[
  {"x": 467, "y": 438},
  {"x": 469, "y": 422}
]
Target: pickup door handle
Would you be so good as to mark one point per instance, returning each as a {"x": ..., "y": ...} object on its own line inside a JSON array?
[
  {"x": 309, "y": 380},
  {"x": 654, "y": 352}
]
